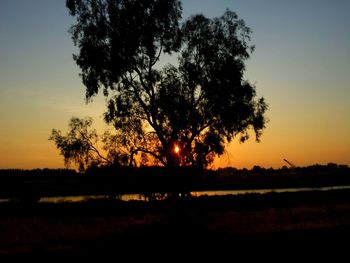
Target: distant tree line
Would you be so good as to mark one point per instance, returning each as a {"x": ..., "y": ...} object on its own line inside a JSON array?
[{"x": 160, "y": 170}]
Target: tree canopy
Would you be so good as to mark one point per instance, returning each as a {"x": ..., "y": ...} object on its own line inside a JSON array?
[{"x": 176, "y": 115}]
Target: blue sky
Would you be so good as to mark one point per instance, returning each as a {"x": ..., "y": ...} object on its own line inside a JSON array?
[{"x": 301, "y": 65}]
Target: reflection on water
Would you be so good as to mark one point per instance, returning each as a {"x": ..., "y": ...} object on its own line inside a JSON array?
[
  {"x": 141, "y": 197},
  {"x": 61, "y": 199},
  {"x": 265, "y": 191}
]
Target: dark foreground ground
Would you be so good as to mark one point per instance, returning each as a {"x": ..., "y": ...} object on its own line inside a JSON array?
[{"x": 250, "y": 225}]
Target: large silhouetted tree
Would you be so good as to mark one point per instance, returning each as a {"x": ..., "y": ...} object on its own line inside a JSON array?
[{"x": 181, "y": 114}]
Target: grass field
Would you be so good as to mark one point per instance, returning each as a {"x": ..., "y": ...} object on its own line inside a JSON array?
[{"x": 107, "y": 226}]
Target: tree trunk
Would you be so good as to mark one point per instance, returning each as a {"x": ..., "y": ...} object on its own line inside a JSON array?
[{"x": 172, "y": 158}]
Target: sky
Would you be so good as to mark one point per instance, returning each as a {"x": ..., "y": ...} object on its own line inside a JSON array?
[{"x": 301, "y": 66}]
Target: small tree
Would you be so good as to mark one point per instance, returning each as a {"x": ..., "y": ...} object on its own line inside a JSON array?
[
  {"x": 79, "y": 145},
  {"x": 175, "y": 115}
]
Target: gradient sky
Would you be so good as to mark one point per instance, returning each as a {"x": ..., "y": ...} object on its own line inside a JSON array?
[{"x": 301, "y": 65}]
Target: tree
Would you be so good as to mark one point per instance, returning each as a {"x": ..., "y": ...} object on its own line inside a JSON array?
[
  {"x": 79, "y": 145},
  {"x": 176, "y": 115}
]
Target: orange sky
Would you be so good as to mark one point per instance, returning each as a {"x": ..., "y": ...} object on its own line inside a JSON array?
[{"x": 301, "y": 65}]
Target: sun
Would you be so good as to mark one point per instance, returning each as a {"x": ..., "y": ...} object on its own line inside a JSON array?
[{"x": 176, "y": 149}]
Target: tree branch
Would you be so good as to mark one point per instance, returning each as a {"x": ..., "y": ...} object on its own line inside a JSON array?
[
  {"x": 94, "y": 149},
  {"x": 158, "y": 157},
  {"x": 198, "y": 131},
  {"x": 158, "y": 56},
  {"x": 150, "y": 115}
]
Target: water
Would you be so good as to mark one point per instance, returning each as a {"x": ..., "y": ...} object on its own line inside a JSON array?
[
  {"x": 140, "y": 197},
  {"x": 265, "y": 191},
  {"x": 61, "y": 199}
]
